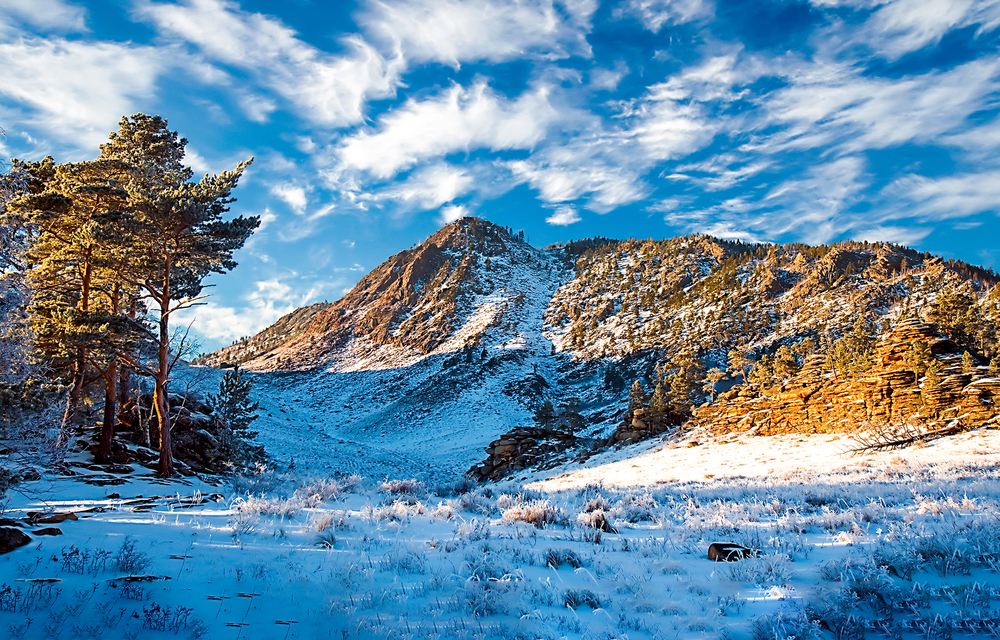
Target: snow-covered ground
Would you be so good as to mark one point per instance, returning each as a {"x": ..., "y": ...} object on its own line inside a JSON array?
[{"x": 900, "y": 544}]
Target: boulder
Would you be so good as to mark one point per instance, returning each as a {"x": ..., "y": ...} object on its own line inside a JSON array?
[
  {"x": 50, "y": 518},
  {"x": 48, "y": 531},
  {"x": 11, "y": 539},
  {"x": 729, "y": 552}
]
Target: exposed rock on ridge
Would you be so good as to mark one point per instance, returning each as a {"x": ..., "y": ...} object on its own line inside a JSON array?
[{"x": 817, "y": 401}]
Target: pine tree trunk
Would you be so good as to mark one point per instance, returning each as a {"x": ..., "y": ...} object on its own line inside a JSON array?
[
  {"x": 110, "y": 412},
  {"x": 110, "y": 392},
  {"x": 75, "y": 393},
  {"x": 165, "y": 467},
  {"x": 73, "y": 404},
  {"x": 125, "y": 377}
]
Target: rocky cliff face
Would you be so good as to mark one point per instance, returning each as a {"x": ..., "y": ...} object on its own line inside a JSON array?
[
  {"x": 417, "y": 301},
  {"x": 817, "y": 400}
]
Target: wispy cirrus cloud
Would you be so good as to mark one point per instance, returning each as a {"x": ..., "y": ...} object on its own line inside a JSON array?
[
  {"x": 896, "y": 28},
  {"x": 455, "y": 31},
  {"x": 654, "y": 14},
  {"x": 74, "y": 92},
  {"x": 326, "y": 89},
  {"x": 47, "y": 15},
  {"x": 459, "y": 119},
  {"x": 835, "y": 105}
]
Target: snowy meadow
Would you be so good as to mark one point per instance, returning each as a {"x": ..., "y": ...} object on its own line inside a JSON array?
[{"x": 898, "y": 545}]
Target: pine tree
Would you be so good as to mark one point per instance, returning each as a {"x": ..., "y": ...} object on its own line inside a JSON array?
[
  {"x": 637, "y": 396},
  {"x": 932, "y": 379},
  {"x": 785, "y": 364},
  {"x": 968, "y": 363},
  {"x": 178, "y": 227},
  {"x": 712, "y": 378},
  {"x": 233, "y": 406},
  {"x": 78, "y": 217},
  {"x": 740, "y": 363},
  {"x": 917, "y": 357},
  {"x": 659, "y": 402},
  {"x": 545, "y": 414}
]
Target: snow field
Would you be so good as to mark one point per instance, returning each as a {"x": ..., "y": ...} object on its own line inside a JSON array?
[{"x": 904, "y": 545}]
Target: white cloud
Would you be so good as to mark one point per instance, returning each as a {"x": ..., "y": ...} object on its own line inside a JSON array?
[
  {"x": 563, "y": 216},
  {"x": 331, "y": 90},
  {"x": 608, "y": 79},
  {"x": 953, "y": 196},
  {"x": 77, "y": 91},
  {"x": 432, "y": 186},
  {"x": 899, "y": 27},
  {"x": 456, "y": 31},
  {"x": 459, "y": 119},
  {"x": 655, "y": 13},
  {"x": 452, "y": 213},
  {"x": 267, "y": 301},
  {"x": 51, "y": 15},
  {"x": 832, "y": 104},
  {"x": 292, "y": 195},
  {"x": 608, "y": 164},
  {"x": 814, "y": 207}
]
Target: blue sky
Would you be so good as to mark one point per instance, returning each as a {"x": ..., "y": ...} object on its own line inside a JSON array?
[{"x": 374, "y": 122}]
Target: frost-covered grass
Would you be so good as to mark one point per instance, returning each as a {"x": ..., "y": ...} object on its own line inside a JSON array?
[{"x": 895, "y": 549}]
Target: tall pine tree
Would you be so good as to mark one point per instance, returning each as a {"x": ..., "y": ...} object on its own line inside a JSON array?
[{"x": 179, "y": 231}]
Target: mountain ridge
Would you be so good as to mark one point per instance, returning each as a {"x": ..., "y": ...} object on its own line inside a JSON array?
[{"x": 476, "y": 321}]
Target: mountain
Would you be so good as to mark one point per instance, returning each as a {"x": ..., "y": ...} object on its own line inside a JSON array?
[{"x": 448, "y": 345}]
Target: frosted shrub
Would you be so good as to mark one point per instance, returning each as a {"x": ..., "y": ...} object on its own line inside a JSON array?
[
  {"x": 792, "y": 624},
  {"x": 559, "y": 557},
  {"x": 484, "y": 565},
  {"x": 323, "y": 520},
  {"x": 402, "y": 561},
  {"x": 411, "y": 487},
  {"x": 257, "y": 505},
  {"x": 537, "y": 512},
  {"x": 596, "y": 519},
  {"x": 762, "y": 570},
  {"x": 316, "y": 491},
  {"x": 637, "y": 508},
  {"x": 576, "y": 598},
  {"x": 474, "y": 530},
  {"x": 476, "y": 502},
  {"x": 482, "y": 599},
  {"x": 461, "y": 487}
]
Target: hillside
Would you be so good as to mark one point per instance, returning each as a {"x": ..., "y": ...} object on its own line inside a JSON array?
[{"x": 446, "y": 346}]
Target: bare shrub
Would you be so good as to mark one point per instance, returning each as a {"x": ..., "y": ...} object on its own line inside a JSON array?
[
  {"x": 576, "y": 598},
  {"x": 408, "y": 487},
  {"x": 791, "y": 624},
  {"x": 559, "y": 557},
  {"x": 130, "y": 560},
  {"x": 596, "y": 519},
  {"x": 537, "y": 512}
]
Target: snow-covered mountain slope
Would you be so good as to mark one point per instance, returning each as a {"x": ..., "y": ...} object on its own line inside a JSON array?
[
  {"x": 448, "y": 345},
  {"x": 431, "y": 356}
]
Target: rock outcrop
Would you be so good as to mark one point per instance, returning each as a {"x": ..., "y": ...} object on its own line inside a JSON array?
[
  {"x": 525, "y": 447},
  {"x": 198, "y": 438},
  {"x": 815, "y": 400}
]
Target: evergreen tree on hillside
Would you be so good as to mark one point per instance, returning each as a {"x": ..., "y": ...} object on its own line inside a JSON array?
[
  {"x": 637, "y": 396},
  {"x": 233, "y": 406},
  {"x": 545, "y": 415}
]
